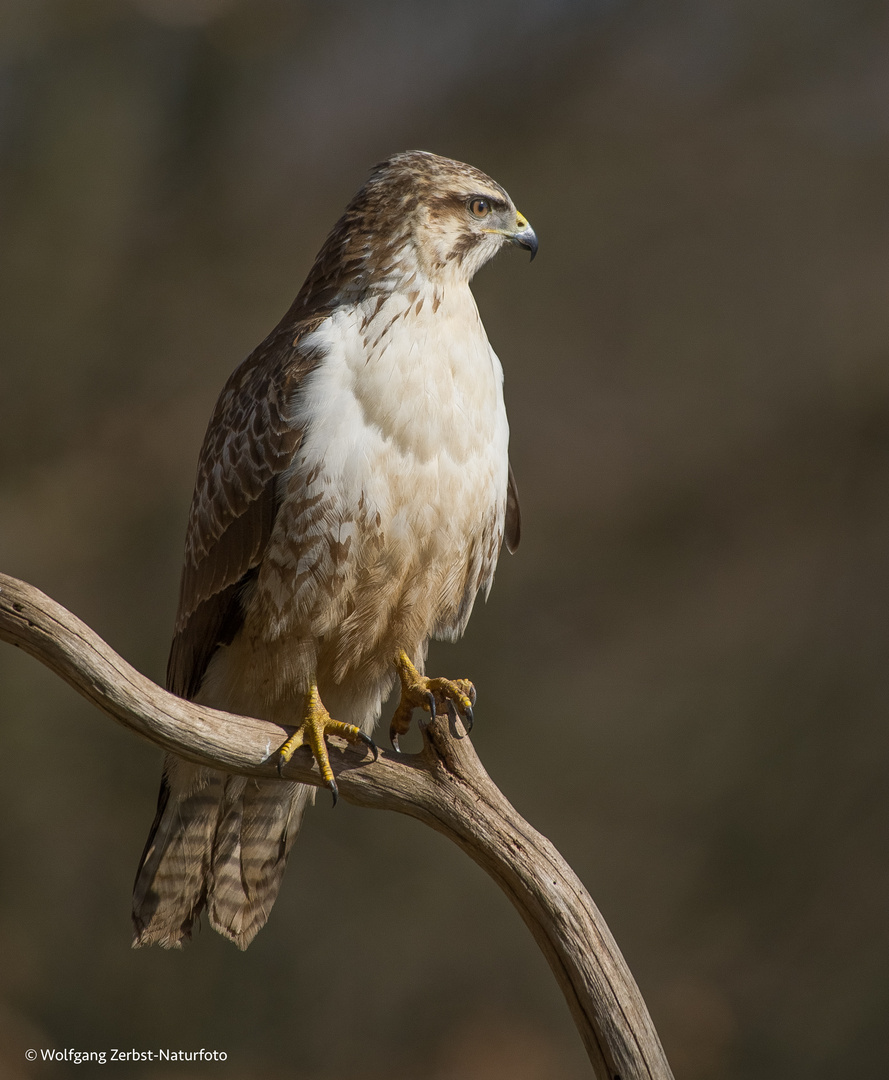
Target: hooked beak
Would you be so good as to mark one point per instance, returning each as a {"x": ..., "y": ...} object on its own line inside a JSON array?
[{"x": 524, "y": 236}]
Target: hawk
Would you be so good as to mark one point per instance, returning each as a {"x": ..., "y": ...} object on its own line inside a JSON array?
[{"x": 352, "y": 496}]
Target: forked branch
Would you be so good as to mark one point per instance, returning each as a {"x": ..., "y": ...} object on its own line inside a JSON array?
[{"x": 445, "y": 786}]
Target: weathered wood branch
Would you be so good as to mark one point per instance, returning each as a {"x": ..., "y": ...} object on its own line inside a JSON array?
[{"x": 445, "y": 786}]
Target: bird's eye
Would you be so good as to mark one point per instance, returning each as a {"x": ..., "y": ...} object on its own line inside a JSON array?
[{"x": 480, "y": 208}]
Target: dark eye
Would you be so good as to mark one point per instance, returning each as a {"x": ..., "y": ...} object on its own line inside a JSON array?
[{"x": 480, "y": 208}]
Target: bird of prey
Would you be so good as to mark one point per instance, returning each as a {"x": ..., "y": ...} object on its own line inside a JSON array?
[{"x": 352, "y": 496}]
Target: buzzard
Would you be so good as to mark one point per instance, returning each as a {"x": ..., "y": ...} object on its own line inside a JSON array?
[{"x": 352, "y": 496}]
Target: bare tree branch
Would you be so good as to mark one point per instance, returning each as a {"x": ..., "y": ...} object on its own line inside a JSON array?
[{"x": 445, "y": 786}]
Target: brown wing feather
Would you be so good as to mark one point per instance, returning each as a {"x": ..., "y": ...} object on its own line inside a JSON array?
[
  {"x": 512, "y": 528},
  {"x": 249, "y": 441}
]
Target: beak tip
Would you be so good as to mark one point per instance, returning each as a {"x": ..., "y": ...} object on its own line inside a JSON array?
[{"x": 527, "y": 239}]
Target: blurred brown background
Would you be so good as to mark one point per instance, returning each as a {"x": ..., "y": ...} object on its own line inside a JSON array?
[{"x": 682, "y": 675}]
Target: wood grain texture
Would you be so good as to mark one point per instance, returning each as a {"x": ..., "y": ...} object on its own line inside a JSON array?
[{"x": 445, "y": 786}]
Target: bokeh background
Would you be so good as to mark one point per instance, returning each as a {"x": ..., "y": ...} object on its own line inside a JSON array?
[{"x": 683, "y": 675}]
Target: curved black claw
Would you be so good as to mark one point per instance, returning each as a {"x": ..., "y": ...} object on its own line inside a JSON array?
[
  {"x": 465, "y": 714},
  {"x": 280, "y": 763},
  {"x": 368, "y": 741},
  {"x": 393, "y": 738},
  {"x": 334, "y": 790},
  {"x": 425, "y": 721}
]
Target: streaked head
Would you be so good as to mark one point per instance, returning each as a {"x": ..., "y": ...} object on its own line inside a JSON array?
[
  {"x": 418, "y": 212},
  {"x": 458, "y": 216}
]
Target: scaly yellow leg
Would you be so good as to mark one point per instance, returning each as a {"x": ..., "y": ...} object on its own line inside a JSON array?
[
  {"x": 311, "y": 732},
  {"x": 419, "y": 692}
]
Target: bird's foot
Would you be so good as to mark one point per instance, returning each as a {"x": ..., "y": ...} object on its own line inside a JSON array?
[
  {"x": 418, "y": 692},
  {"x": 312, "y": 731}
]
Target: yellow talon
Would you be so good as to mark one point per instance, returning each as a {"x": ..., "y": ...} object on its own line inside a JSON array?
[
  {"x": 417, "y": 691},
  {"x": 317, "y": 724}
]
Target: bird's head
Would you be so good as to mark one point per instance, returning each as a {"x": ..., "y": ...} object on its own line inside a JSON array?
[
  {"x": 417, "y": 213},
  {"x": 453, "y": 216}
]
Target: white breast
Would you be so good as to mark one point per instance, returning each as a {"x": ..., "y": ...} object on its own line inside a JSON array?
[{"x": 417, "y": 384}]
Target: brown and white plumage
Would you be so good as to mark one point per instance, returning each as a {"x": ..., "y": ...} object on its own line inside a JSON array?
[{"x": 352, "y": 495}]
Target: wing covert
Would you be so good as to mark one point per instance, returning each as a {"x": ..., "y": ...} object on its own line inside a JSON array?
[{"x": 249, "y": 441}]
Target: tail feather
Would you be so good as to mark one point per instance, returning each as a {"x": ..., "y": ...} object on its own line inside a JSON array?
[
  {"x": 219, "y": 841},
  {"x": 256, "y": 832}
]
